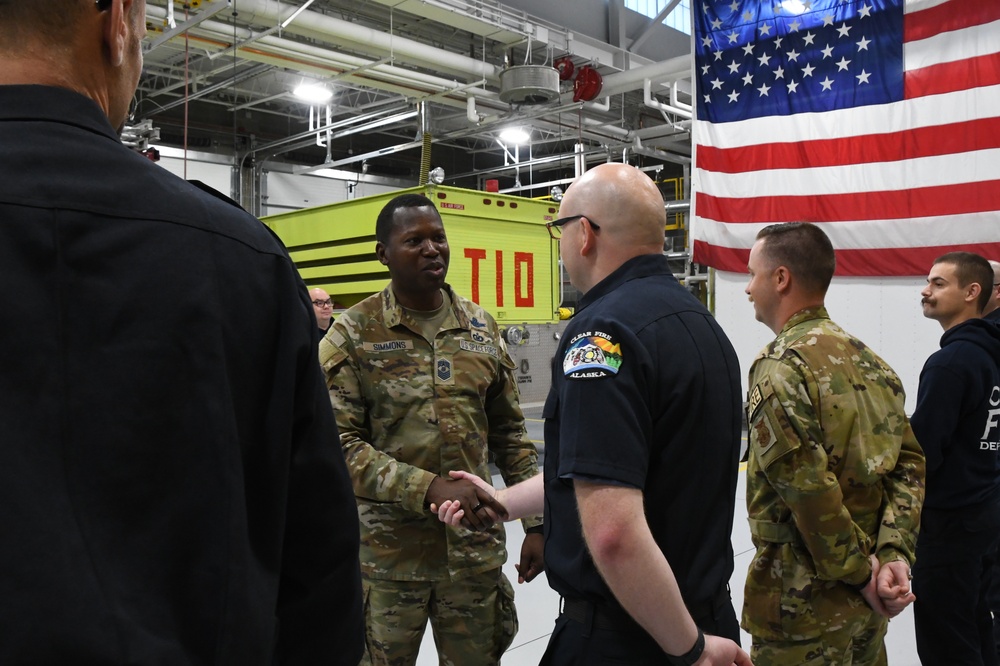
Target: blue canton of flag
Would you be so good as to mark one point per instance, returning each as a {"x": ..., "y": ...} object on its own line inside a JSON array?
[{"x": 769, "y": 58}]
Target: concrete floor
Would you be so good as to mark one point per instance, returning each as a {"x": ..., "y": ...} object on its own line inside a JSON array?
[{"x": 538, "y": 605}]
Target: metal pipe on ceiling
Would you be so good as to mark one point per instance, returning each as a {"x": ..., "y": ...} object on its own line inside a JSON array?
[{"x": 328, "y": 28}]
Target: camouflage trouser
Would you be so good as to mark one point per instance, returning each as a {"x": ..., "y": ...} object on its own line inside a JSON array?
[
  {"x": 473, "y": 619},
  {"x": 859, "y": 643}
]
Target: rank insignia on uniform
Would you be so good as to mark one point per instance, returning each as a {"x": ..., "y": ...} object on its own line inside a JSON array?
[
  {"x": 592, "y": 356},
  {"x": 444, "y": 369}
]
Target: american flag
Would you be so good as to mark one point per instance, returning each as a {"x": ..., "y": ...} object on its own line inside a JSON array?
[{"x": 877, "y": 119}]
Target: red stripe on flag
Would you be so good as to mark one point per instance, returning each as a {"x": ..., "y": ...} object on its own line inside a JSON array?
[
  {"x": 729, "y": 259},
  {"x": 904, "y": 260},
  {"x": 909, "y": 144},
  {"x": 871, "y": 262},
  {"x": 949, "y": 16},
  {"x": 949, "y": 77},
  {"x": 883, "y": 205}
]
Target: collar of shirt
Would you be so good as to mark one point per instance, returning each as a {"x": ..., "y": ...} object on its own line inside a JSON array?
[
  {"x": 805, "y": 315},
  {"x": 392, "y": 311},
  {"x": 637, "y": 267},
  {"x": 52, "y": 104}
]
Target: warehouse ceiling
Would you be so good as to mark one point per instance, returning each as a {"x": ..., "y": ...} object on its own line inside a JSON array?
[{"x": 416, "y": 84}]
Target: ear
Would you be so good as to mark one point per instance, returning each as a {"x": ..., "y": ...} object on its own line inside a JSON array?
[
  {"x": 116, "y": 30},
  {"x": 380, "y": 254},
  {"x": 972, "y": 292},
  {"x": 589, "y": 238},
  {"x": 782, "y": 279}
]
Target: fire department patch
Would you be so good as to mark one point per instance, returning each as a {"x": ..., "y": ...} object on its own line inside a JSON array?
[{"x": 592, "y": 355}]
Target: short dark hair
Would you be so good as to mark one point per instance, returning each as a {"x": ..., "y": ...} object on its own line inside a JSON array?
[
  {"x": 49, "y": 21},
  {"x": 385, "y": 222},
  {"x": 969, "y": 268},
  {"x": 804, "y": 250}
]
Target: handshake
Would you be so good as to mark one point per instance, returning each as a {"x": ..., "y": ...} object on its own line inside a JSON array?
[{"x": 466, "y": 500}]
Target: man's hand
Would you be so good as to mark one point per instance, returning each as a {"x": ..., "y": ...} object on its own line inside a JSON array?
[
  {"x": 532, "y": 558},
  {"x": 893, "y": 587},
  {"x": 870, "y": 593},
  {"x": 476, "y": 503},
  {"x": 722, "y": 652}
]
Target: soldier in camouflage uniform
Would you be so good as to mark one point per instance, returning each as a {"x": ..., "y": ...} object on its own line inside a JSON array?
[
  {"x": 835, "y": 478},
  {"x": 422, "y": 385}
]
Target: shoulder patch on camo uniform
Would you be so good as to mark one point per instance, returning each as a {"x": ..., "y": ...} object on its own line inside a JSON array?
[
  {"x": 753, "y": 402},
  {"x": 592, "y": 355}
]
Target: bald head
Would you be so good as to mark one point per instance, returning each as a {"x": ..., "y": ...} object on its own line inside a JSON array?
[
  {"x": 322, "y": 307},
  {"x": 624, "y": 201},
  {"x": 622, "y": 217}
]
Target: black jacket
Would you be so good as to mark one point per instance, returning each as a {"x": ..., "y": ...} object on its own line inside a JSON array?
[
  {"x": 957, "y": 418},
  {"x": 171, "y": 484}
]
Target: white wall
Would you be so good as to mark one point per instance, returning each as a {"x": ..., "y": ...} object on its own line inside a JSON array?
[
  {"x": 884, "y": 313},
  {"x": 285, "y": 191},
  {"x": 213, "y": 173}
]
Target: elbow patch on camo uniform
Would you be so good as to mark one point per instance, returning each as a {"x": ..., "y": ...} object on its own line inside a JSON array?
[{"x": 592, "y": 355}]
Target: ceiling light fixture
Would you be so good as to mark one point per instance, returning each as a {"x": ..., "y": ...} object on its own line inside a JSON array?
[
  {"x": 515, "y": 135},
  {"x": 313, "y": 93}
]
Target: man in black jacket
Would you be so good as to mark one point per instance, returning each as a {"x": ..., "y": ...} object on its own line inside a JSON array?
[
  {"x": 957, "y": 422},
  {"x": 171, "y": 484}
]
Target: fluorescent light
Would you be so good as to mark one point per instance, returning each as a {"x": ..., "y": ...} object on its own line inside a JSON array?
[
  {"x": 515, "y": 135},
  {"x": 793, "y": 6},
  {"x": 313, "y": 93}
]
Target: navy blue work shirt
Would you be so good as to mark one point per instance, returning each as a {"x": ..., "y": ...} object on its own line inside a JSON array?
[
  {"x": 172, "y": 486},
  {"x": 645, "y": 393}
]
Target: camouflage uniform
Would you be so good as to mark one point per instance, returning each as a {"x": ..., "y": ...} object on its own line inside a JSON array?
[
  {"x": 408, "y": 412},
  {"x": 834, "y": 475}
]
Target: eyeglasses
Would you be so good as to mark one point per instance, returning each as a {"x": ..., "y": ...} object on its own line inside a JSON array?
[
  {"x": 328, "y": 303},
  {"x": 103, "y": 4},
  {"x": 555, "y": 227}
]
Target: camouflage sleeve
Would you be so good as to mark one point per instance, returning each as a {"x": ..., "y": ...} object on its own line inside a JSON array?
[
  {"x": 376, "y": 476},
  {"x": 787, "y": 441},
  {"x": 903, "y": 497},
  {"x": 514, "y": 454}
]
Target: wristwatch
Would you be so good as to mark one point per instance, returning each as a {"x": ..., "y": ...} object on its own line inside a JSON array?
[{"x": 692, "y": 655}]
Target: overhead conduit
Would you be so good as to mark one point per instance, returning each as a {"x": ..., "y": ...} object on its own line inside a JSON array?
[{"x": 387, "y": 77}]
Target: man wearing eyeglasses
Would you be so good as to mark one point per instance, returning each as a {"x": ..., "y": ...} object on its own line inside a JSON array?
[
  {"x": 322, "y": 307},
  {"x": 642, "y": 440},
  {"x": 169, "y": 492}
]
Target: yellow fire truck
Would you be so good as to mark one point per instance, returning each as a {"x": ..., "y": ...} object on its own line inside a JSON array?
[{"x": 501, "y": 257}]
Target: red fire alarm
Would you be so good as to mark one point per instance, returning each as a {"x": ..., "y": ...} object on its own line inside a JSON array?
[
  {"x": 565, "y": 68},
  {"x": 588, "y": 84}
]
